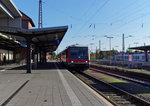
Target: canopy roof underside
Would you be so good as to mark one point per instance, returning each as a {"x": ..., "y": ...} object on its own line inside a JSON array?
[
  {"x": 141, "y": 48},
  {"x": 44, "y": 38}
]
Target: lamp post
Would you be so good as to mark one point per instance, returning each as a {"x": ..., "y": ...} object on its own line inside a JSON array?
[
  {"x": 123, "y": 45},
  {"x": 99, "y": 46},
  {"x": 91, "y": 46},
  {"x": 91, "y": 49},
  {"x": 109, "y": 46},
  {"x": 109, "y": 41},
  {"x": 123, "y": 41}
]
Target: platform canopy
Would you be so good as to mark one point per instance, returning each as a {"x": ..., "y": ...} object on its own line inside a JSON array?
[
  {"x": 145, "y": 48},
  {"x": 47, "y": 39},
  {"x": 7, "y": 42},
  {"x": 141, "y": 48}
]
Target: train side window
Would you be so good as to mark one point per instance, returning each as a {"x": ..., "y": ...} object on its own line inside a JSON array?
[
  {"x": 126, "y": 57},
  {"x": 143, "y": 57}
]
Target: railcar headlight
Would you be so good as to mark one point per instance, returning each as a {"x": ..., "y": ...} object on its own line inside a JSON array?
[
  {"x": 71, "y": 61},
  {"x": 86, "y": 61}
]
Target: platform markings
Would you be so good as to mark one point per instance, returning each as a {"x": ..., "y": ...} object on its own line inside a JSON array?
[
  {"x": 74, "y": 100},
  {"x": 93, "y": 91},
  {"x": 3, "y": 70}
]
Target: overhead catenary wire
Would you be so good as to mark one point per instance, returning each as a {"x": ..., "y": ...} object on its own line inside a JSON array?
[
  {"x": 125, "y": 23},
  {"x": 79, "y": 19},
  {"x": 132, "y": 20},
  {"x": 132, "y": 13},
  {"x": 129, "y": 15},
  {"x": 121, "y": 13},
  {"x": 88, "y": 9},
  {"x": 95, "y": 13}
]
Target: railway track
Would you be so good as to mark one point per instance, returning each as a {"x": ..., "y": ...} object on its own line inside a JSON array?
[
  {"x": 134, "y": 75},
  {"x": 112, "y": 93},
  {"x": 138, "y": 81}
]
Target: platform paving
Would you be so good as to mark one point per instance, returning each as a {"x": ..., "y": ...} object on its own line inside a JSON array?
[{"x": 47, "y": 86}]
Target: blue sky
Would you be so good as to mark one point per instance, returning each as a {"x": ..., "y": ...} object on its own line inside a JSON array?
[{"x": 90, "y": 20}]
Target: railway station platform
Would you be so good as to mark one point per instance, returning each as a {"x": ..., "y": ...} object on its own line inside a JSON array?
[{"x": 48, "y": 85}]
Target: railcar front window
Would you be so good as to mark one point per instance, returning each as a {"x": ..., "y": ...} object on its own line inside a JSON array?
[{"x": 79, "y": 53}]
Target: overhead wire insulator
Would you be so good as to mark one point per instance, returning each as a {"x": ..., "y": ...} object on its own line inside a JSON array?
[
  {"x": 71, "y": 26},
  {"x": 90, "y": 26},
  {"x": 142, "y": 25}
]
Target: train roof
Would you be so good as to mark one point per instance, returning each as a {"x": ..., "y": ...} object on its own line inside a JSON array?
[
  {"x": 131, "y": 53},
  {"x": 76, "y": 45}
]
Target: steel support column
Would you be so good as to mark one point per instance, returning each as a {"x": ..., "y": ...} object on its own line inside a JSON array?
[
  {"x": 35, "y": 59},
  {"x": 44, "y": 57},
  {"x": 146, "y": 56},
  {"x": 0, "y": 57},
  {"x": 40, "y": 55},
  {"x": 8, "y": 56},
  {"x": 28, "y": 55}
]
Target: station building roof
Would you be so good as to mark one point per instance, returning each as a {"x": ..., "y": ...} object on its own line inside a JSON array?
[
  {"x": 27, "y": 18},
  {"x": 8, "y": 9},
  {"x": 141, "y": 47}
]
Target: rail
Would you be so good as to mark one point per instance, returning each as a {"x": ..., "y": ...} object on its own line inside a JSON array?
[
  {"x": 122, "y": 92},
  {"x": 144, "y": 83}
]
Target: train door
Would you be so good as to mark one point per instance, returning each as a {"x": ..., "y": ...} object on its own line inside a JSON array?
[
  {"x": 66, "y": 56},
  {"x": 0, "y": 58}
]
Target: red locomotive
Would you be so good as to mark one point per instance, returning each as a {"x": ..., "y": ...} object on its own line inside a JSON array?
[{"x": 75, "y": 56}]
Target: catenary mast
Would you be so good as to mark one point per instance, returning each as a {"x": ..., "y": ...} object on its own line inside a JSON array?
[{"x": 40, "y": 22}]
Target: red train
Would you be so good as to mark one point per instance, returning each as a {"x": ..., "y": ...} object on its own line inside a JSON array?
[{"x": 75, "y": 56}]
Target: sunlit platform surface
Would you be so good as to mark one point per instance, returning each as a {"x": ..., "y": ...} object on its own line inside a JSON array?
[{"x": 47, "y": 86}]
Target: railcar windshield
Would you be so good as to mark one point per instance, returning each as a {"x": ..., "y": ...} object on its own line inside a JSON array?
[{"x": 78, "y": 53}]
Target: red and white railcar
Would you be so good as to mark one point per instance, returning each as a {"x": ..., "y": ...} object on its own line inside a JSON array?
[{"x": 75, "y": 56}]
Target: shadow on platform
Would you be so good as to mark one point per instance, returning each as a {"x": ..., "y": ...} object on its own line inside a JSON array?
[{"x": 44, "y": 66}]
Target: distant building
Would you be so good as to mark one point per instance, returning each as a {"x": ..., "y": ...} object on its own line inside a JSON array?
[
  {"x": 10, "y": 16},
  {"x": 27, "y": 22}
]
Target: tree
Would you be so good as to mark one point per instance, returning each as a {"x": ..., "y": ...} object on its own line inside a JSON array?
[
  {"x": 53, "y": 55},
  {"x": 129, "y": 51}
]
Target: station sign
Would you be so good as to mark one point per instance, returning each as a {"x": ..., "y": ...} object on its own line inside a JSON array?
[
  {"x": 54, "y": 47},
  {"x": 56, "y": 42},
  {"x": 23, "y": 44}
]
